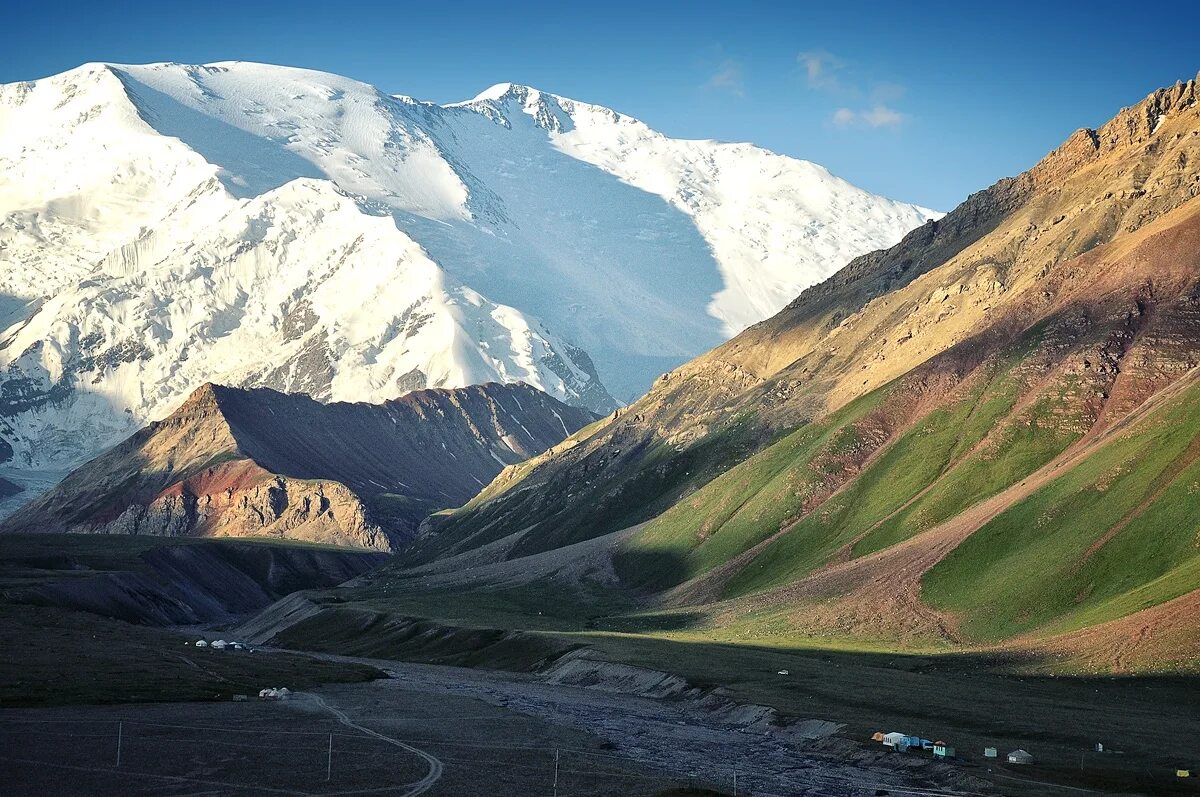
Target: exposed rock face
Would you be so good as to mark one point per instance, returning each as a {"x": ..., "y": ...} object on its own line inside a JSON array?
[
  {"x": 234, "y": 463},
  {"x": 239, "y": 499}
]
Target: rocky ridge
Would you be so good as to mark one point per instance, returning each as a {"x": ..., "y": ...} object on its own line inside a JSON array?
[{"x": 233, "y": 462}]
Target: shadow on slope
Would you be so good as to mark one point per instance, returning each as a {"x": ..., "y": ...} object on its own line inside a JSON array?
[
  {"x": 165, "y": 581},
  {"x": 638, "y": 301},
  {"x": 248, "y": 165}
]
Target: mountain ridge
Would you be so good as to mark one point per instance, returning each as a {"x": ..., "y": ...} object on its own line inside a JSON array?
[
  {"x": 863, "y": 429},
  {"x": 256, "y": 462},
  {"x": 165, "y": 224}
]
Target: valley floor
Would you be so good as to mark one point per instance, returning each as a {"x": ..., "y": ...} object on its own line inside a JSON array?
[
  {"x": 396, "y": 740},
  {"x": 426, "y": 730},
  {"x": 477, "y": 694},
  {"x": 971, "y": 700}
]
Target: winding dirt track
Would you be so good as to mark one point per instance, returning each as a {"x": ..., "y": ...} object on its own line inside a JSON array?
[{"x": 435, "y": 765}]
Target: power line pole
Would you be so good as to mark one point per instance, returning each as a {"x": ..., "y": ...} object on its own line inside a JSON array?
[
  {"x": 120, "y": 734},
  {"x": 329, "y": 760},
  {"x": 556, "y": 752}
]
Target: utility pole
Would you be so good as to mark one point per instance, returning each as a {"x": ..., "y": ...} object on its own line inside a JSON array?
[
  {"x": 329, "y": 760},
  {"x": 120, "y": 734},
  {"x": 556, "y": 751}
]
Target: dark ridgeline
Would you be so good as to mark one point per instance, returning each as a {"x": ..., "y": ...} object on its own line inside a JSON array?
[{"x": 250, "y": 462}]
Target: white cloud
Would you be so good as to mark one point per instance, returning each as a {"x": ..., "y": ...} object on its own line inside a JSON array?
[
  {"x": 844, "y": 117},
  {"x": 882, "y": 116},
  {"x": 826, "y": 72},
  {"x": 878, "y": 115},
  {"x": 728, "y": 77},
  {"x": 821, "y": 67}
]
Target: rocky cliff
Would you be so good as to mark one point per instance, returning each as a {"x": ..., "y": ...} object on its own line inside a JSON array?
[
  {"x": 233, "y": 462},
  {"x": 8, "y": 489}
]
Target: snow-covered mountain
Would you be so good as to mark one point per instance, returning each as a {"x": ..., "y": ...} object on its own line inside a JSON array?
[{"x": 164, "y": 226}]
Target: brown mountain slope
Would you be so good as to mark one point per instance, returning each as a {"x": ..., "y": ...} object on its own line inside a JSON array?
[
  {"x": 1015, "y": 267},
  {"x": 233, "y": 462},
  {"x": 987, "y": 435}
]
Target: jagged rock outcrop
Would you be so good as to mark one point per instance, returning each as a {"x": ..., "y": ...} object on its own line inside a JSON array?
[
  {"x": 239, "y": 499},
  {"x": 236, "y": 463}
]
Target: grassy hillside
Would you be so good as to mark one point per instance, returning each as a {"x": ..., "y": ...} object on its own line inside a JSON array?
[
  {"x": 839, "y": 488},
  {"x": 743, "y": 506},
  {"x": 1116, "y": 533}
]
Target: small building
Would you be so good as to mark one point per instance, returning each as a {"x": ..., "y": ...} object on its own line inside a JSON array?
[
  {"x": 1183, "y": 773},
  {"x": 201, "y": 643},
  {"x": 1020, "y": 757},
  {"x": 902, "y": 742},
  {"x": 942, "y": 750},
  {"x": 877, "y": 736},
  {"x": 990, "y": 752}
]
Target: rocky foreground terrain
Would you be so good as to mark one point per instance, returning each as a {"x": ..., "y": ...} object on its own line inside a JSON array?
[{"x": 233, "y": 462}]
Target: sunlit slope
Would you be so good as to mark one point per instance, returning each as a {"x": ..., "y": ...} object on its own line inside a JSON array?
[
  {"x": 1019, "y": 254},
  {"x": 977, "y": 435}
]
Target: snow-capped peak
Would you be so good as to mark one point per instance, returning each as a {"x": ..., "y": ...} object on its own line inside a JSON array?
[
  {"x": 496, "y": 92},
  {"x": 169, "y": 224}
]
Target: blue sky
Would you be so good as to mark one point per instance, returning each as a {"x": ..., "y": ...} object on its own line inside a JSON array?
[{"x": 924, "y": 102}]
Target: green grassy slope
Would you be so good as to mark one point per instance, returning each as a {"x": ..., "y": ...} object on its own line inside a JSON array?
[
  {"x": 741, "y": 507},
  {"x": 978, "y": 441},
  {"x": 556, "y": 513},
  {"x": 1047, "y": 560}
]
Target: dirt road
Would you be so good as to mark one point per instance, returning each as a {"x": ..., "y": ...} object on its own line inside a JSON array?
[{"x": 435, "y": 765}]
